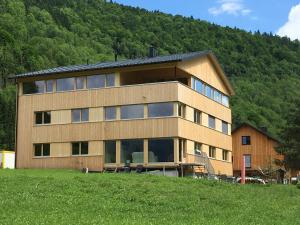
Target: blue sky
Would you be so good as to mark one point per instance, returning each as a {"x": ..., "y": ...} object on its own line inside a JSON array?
[{"x": 251, "y": 15}]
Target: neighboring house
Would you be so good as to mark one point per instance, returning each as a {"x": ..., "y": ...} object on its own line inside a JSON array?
[
  {"x": 158, "y": 112},
  {"x": 258, "y": 147}
]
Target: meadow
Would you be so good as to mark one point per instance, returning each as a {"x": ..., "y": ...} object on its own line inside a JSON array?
[{"x": 71, "y": 197}]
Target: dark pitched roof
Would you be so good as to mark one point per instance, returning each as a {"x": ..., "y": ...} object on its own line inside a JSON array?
[
  {"x": 255, "y": 128},
  {"x": 117, "y": 64}
]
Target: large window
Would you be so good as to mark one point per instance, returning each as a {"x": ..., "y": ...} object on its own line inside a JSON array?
[
  {"x": 132, "y": 151},
  {"x": 42, "y": 117},
  {"x": 110, "y": 151},
  {"x": 110, "y": 113},
  {"x": 132, "y": 111},
  {"x": 65, "y": 84},
  {"x": 80, "y": 115},
  {"x": 197, "y": 116},
  {"x": 225, "y": 154},
  {"x": 217, "y": 96},
  {"x": 110, "y": 80},
  {"x": 224, "y": 127},
  {"x": 197, "y": 148},
  {"x": 225, "y": 100},
  {"x": 80, "y": 148},
  {"x": 212, "y": 152},
  {"x": 41, "y": 150},
  {"x": 49, "y": 85},
  {"x": 160, "y": 109},
  {"x": 211, "y": 122},
  {"x": 34, "y": 87},
  {"x": 199, "y": 86},
  {"x": 80, "y": 81},
  {"x": 247, "y": 161},
  {"x": 209, "y": 92},
  {"x": 246, "y": 140},
  {"x": 96, "y": 81},
  {"x": 160, "y": 150}
]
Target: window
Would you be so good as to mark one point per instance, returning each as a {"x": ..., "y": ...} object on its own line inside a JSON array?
[
  {"x": 110, "y": 151},
  {"x": 132, "y": 151},
  {"x": 212, "y": 152},
  {"x": 209, "y": 91},
  {"x": 41, "y": 150},
  {"x": 211, "y": 122},
  {"x": 181, "y": 149},
  {"x": 197, "y": 116},
  {"x": 225, "y": 100},
  {"x": 80, "y": 83},
  {"x": 34, "y": 87},
  {"x": 42, "y": 117},
  {"x": 199, "y": 87},
  {"x": 80, "y": 148},
  {"x": 49, "y": 85},
  {"x": 181, "y": 110},
  {"x": 225, "y": 154},
  {"x": 246, "y": 140},
  {"x": 110, "y": 113},
  {"x": 160, "y": 150},
  {"x": 224, "y": 127},
  {"x": 66, "y": 84},
  {"x": 132, "y": 111},
  {"x": 96, "y": 81},
  {"x": 247, "y": 161},
  {"x": 110, "y": 80},
  {"x": 160, "y": 109},
  {"x": 80, "y": 115},
  {"x": 197, "y": 148},
  {"x": 217, "y": 96}
]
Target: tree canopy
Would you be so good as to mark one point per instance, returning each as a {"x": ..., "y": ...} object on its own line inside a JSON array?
[{"x": 37, "y": 34}]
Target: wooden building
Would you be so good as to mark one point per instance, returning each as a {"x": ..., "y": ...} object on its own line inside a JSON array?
[
  {"x": 157, "y": 112},
  {"x": 259, "y": 149}
]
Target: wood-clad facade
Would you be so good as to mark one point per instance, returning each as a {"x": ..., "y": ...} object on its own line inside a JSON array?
[
  {"x": 167, "y": 84},
  {"x": 258, "y": 147}
]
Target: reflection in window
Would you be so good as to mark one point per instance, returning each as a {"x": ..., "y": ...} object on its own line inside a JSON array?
[
  {"x": 211, "y": 122},
  {"x": 110, "y": 113},
  {"x": 209, "y": 92},
  {"x": 217, "y": 96},
  {"x": 96, "y": 81},
  {"x": 132, "y": 151},
  {"x": 225, "y": 100},
  {"x": 160, "y": 150},
  {"x": 80, "y": 83},
  {"x": 160, "y": 109},
  {"x": 34, "y": 87},
  {"x": 65, "y": 84},
  {"x": 110, "y": 151},
  {"x": 199, "y": 87},
  {"x": 132, "y": 111}
]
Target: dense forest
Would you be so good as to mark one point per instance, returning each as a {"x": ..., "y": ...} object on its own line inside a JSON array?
[{"x": 36, "y": 34}]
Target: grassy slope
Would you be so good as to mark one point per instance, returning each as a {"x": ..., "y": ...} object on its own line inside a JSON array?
[{"x": 69, "y": 197}]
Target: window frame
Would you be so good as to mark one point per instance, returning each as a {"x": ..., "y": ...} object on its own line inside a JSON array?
[
  {"x": 225, "y": 153},
  {"x": 132, "y": 118},
  {"x": 209, "y": 119},
  {"x": 80, "y": 115},
  {"x": 43, "y": 118},
  {"x": 42, "y": 150},
  {"x": 65, "y": 90},
  {"x": 168, "y": 104},
  {"x": 115, "y": 113},
  {"x": 80, "y": 148},
  {"x": 212, "y": 152},
  {"x": 250, "y": 163},
  {"x": 198, "y": 151},
  {"x": 247, "y": 142},
  {"x": 227, "y": 127},
  {"x": 197, "y": 116}
]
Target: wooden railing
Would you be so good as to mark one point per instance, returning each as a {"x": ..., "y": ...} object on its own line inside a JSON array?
[{"x": 199, "y": 159}]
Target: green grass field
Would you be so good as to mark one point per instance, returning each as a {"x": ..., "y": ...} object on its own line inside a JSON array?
[{"x": 70, "y": 197}]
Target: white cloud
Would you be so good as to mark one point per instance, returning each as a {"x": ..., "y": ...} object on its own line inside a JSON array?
[
  {"x": 291, "y": 28},
  {"x": 230, "y": 7}
]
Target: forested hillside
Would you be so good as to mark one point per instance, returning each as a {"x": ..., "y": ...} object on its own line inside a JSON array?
[{"x": 36, "y": 34}]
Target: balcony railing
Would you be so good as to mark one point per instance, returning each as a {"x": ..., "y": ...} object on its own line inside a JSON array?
[{"x": 198, "y": 160}]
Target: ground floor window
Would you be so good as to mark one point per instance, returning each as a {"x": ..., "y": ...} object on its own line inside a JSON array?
[
  {"x": 110, "y": 151},
  {"x": 41, "y": 150},
  {"x": 212, "y": 152},
  {"x": 161, "y": 150},
  {"x": 247, "y": 161},
  {"x": 225, "y": 155},
  {"x": 197, "y": 148},
  {"x": 80, "y": 148},
  {"x": 132, "y": 151}
]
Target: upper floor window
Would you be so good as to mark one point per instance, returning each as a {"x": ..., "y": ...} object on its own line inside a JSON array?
[
  {"x": 225, "y": 154},
  {"x": 211, "y": 122},
  {"x": 80, "y": 148},
  {"x": 80, "y": 82},
  {"x": 34, "y": 87},
  {"x": 42, "y": 117},
  {"x": 110, "y": 80},
  {"x": 132, "y": 111},
  {"x": 41, "y": 150},
  {"x": 197, "y": 116},
  {"x": 217, "y": 96},
  {"x": 181, "y": 110},
  {"x": 197, "y": 148},
  {"x": 209, "y": 92},
  {"x": 110, "y": 113},
  {"x": 49, "y": 86},
  {"x": 225, "y": 100},
  {"x": 96, "y": 81},
  {"x": 247, "y": 161},
  {"x": 65, "y": 84},
  {"x": 160, "y": 109},
  {"x": 199, "y": 86},
  {"x": 246, "y": 140},
  {"x": 212, "y": 152},
  {"x": 80, "y": 115},
  {"x": 224, "y": 127}
]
